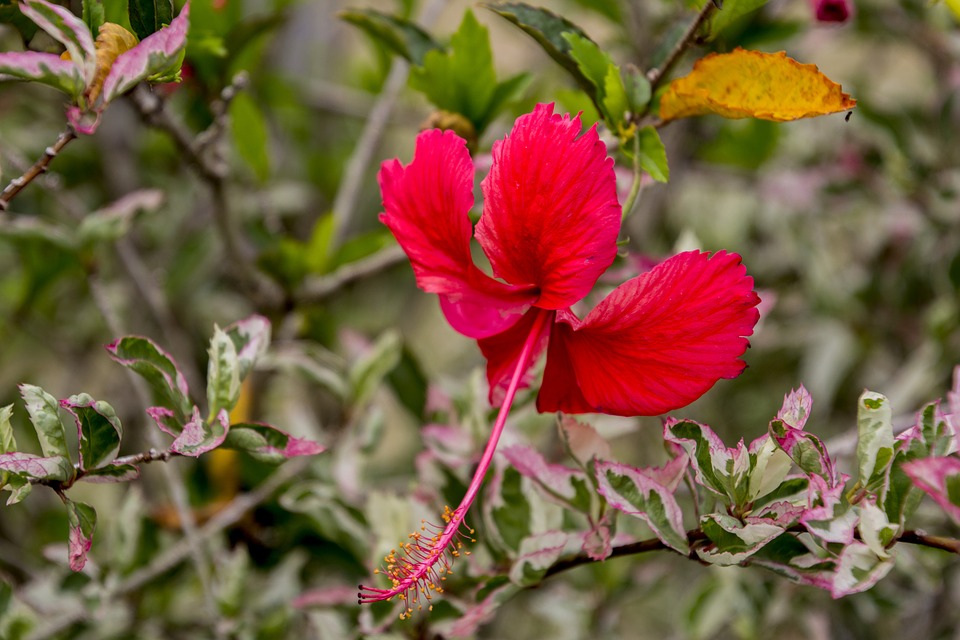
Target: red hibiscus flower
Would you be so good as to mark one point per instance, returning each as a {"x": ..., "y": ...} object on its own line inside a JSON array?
[{"x": 549, "y": 229}]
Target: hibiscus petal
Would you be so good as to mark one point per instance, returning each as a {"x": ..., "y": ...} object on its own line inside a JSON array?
[
  {"x": 657, "y": 342},
  {"x": 426, "y": 206},
  {"x": 503, "y": 350},
  {"x": 551, "y": 216}
]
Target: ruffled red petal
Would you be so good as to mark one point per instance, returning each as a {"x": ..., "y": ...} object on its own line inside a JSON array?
[
  {"x": 426, "y": 206},
  {"x": 657, "y": 342},
  {"x": 550, "y": 214},
  {"x": 503, "y": 350}
]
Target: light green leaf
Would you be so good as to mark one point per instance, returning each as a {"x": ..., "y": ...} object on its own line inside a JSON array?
[
  {"x": 734, "y": 541},
  {"x": 875, "y": 439},
  {"x": 93, "y": 14},
  {"x": 367, "y": 373},
  {"x": 249, "y": 129},
  {"x": 652, "y": 155},
  {"x": 223, "y": 374},
  {"x": 44, "y": 413}
]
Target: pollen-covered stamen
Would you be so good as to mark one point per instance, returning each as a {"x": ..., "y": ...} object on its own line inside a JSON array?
[{"x": 419, "y": 568}]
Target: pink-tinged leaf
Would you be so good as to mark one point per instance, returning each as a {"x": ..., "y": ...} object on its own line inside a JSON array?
[
  {"x": 789, "y": 557},
  {"x": 733, "y": 541},
  {"x": 583, "y": 441},
  {"x": 806, "y": 450},
  {"x": 267, "y": 443},
  {"x": 157, "y": 367},
  {"x": 536, "y": 554},
  {"x": 166, "y": 420},
  {"x": 56, "y": 468},
  {"x": 154, "y": 54},
  {"x": 940, "y": 479},
  {"x": 503, "y": 350},
  {"x": 199, "y": 436},
  {"x": 796, "y": 408},
  {"x": 858, "y": 569},
  {"x": 634, "y": 493},
  {"x": 112, "y": 473},
  {"x": 251, "y": 337},
  {"x": 452, "y": 446},
  {"x": 469, "y": 622},
  {"x": 98, "y": 430},
  {"x": 84, "y": 121},
  {"x": 769, "y": 466},
  {"x": 67, "y": 29},
  {"x": 426, "y": 207},
  {"x": 657, "y": 342},
  {"x": 45, "y": 68},
  {"x": 711, "y": 460},
  {"x": 782, "y": 513},
  {"x": 597, "y": 543},
  {"x": 550, "y": 214},
  {"x": 567, "y": 486},
  {"x": 829, "y": 516},
  {"x": 83, "y": 521}
]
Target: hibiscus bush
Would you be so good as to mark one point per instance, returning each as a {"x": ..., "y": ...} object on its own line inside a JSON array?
[{"x": 593, "y": 319}]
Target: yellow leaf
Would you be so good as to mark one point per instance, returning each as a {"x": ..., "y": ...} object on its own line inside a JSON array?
[
  {"x": 111, "y": 42},
  {"x": 752, "y": 84}
]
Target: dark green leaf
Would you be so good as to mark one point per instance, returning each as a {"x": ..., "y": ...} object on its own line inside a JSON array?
[
  {"x": 98, "y": 429},
  {"x": 729, "y": 13},
  {"x": 148, "y": 16},
  {"x": 267, "y": 443},
  {"x": 93, "y": 15},
  {"x": 44, "y": 413},
  {"x": 157, "y": 367},
  {"x": 398, "y": 34},
  {"x": 112, "y": 473},
  {"x": 652, "y": 155}
]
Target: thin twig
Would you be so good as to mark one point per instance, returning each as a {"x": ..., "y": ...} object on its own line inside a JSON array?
[
  {"x": 182, "y": 550},
  {"x": 345, "y": 202},
  {"x": 694, "y": 536},
  {"x": 39, "y": 167},
  {"x": 319, "y": 288},
  {"x": 655, "y": 75}
]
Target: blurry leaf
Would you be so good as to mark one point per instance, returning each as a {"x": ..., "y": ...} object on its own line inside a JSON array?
[
  {"x": 199, "y": 436},
  {"x": 249, "y": 129},
  {"x": 569, "y": 487},
  {"x": 67, "y": 29},
  {"x": 157, "y": 58},
  {"x": 361, "y": 246},
  {"x": 10, "y": 14},
  {"x": 742, "y": 143},
  {"x": 223, "y": 374},
  {"x": 548, "y": 30},
  {"x": 638, "y": 89},
  {"x": 507, "y": 509},
  {"x": 234, "y": 576},
  {"x": 45, "y": 68},
  {"x": 23, "y": 228},
  {"x": 115, "y": 221},
  {"x": 157, "y": 367},
  {"x": 367, "y": 373},
  {"x": 734, "y": 541},
  {"x": 729, "y": 13},
  {"x": 409, "y": 382},
  {"x": 940, "y": 479},
  {"x": 792, "y": 559},
  {"x": 117, "y": 12},
  {"x": 582, "y": 441},
  {"x": 399, "y": 35},
  {"x": 44, "y": 413},
  {"x": 536, "y": 554},
  {"x": 267, "y": 443},
  {"x": 93, "y": 14},
  {"x": 318, "y": 246},
  {"x": 83, "y": 520},
  {"x": 875, "y": 440},
  {"x": 8, "y": 443},
  {"x": 310, "y": 363},
  {"x": 779, "y": 89},
  {"x": 858, "y": 569},
  {"x": 251, "y": 338},
  {"x": 651, "y": 154},
  {"x": 607, "y": 8},
  {"x": 98, "y": 429},
  {"x": 335, "y": 521},
  {"x": 634, "y": 493},
  {"x": 148, "y": 16},
  {"x": 126, "y": 529},
  {"x": 20, "y": 487},
  {"x": 57, "y": 468},
  {"x": 112, "y": 473}
]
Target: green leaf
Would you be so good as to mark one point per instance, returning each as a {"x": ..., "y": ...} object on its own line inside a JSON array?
[
  {"x": 251, "y": 338},
  {"x": 729, "y": 13},
  {"x": 27, "y": 465},
  {"x": 536, "y": 554},
  {"x": 638, "y": 89},
  {"x": 94, "y": 15},
  {"x": 548, "y": 30},
  {"x": 20, "y": 487},
  {"x": 508, "y": 509},
  {"x": 44, "y": 413},
  {"x": 875, "y": 440},
  {"x": 112, "y": 473},
  {"x": 462, "y": 80},
  {"x": 23, "y": 228},
  {"x": 83, "y": 521},
  {"x": 597, "y": 66},
  {"x": 318, "y": 246},
  {"x": 398, "y": 34},
  {"x": 223, "y": 374},
  {"x": 157, "y": 367},
  {"x": 117, "y": 12},
  {"x": 734, "y": 541},
  {"x": 367, "y": 373},
  {"x": 249, "y": 129},
  {"x": 148, "y": 16},
  {"x": 8, "y": 443},
  {"x": 267, "y": 443},
  {"x": 652, "y": 155},
  {"x": 115, "y": 221},
  {"x": 99, "y": 430}
]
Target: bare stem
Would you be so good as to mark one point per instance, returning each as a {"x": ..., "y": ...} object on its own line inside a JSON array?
[
  {"x": 39, "y": 167},
  {"x": 657, "y": 74},
  {"x": 319, "y": 288}
]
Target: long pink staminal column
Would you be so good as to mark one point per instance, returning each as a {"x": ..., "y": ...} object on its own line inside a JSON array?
[{"x": 415, "y": 569}]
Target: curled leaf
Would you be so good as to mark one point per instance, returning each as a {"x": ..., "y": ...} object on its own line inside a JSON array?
[{"x": 753, "y": 84}]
